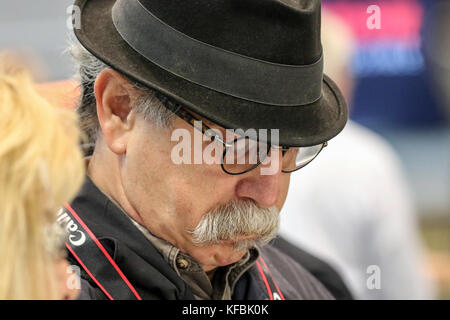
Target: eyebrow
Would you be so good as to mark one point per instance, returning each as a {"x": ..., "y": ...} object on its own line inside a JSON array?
[
  {"x": 198, "y": 117},
  {"x": 190, "y": 116},
  {"x": 206, "y": 124}
]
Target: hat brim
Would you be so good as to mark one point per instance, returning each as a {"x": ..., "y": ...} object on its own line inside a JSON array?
[{"x": 304, "y": 125}]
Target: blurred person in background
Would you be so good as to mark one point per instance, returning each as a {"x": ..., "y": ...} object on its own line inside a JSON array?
[
  {"x": 352, "y": 207},
  {"x": 41, "y": 168}
]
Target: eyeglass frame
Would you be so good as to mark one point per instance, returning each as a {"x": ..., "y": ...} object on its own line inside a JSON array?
[{"x": 178, "y": 110}]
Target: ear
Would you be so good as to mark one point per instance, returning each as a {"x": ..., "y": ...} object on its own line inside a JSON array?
[{"x": 114, "y": 95}]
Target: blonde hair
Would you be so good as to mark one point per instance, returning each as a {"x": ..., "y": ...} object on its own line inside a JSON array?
[{"x": 41, "y": 168}]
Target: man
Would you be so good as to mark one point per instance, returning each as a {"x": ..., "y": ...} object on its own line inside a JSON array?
[{"x": 149, "y": 226}]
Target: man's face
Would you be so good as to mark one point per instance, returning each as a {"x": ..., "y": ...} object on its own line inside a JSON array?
[{"x": 172, "y": 199}]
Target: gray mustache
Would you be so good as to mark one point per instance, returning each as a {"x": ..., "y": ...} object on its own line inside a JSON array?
[{"x": 237, "y": 219}]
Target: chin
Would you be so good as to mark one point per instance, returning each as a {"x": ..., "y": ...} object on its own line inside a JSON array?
[
  {"x": 220, "y": 255},
  {"x": 225, "y": 254}
]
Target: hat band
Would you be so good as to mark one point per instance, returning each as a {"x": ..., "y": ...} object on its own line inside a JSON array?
[{"x": 212, "y": 67}]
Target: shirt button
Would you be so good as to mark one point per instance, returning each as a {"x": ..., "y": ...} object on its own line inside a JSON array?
[{"x": 182, "y": 263}]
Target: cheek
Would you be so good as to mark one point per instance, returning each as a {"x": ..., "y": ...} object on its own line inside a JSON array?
[
  {"x": 283, "y": 190},
  {"x": 215, "y": 256},
  {"x": 140, "y": 175},
  {"x": 146, "y": 176},
  {"x": 165, "y": 195},
  {"x": 170, "y": 198}
]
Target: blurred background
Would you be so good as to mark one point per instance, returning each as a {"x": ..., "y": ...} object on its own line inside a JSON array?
[{"x": 401, "y": 90}]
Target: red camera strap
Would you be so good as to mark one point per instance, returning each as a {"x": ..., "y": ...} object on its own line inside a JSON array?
[
  {"x": 94, "y": 258},
  {"x": 272, "y": 288}
]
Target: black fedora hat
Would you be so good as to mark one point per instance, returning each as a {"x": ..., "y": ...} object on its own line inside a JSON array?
[{"x": 239, "y": 63}]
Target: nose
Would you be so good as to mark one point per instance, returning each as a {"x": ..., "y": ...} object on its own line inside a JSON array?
[{"x": 264, "y": 189}]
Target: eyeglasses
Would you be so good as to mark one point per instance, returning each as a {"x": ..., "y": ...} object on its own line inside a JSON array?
[{"x": 243, "y": 154}]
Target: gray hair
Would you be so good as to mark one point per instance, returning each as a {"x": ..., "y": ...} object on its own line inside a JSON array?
[
  {"x": 236, "y": 219},
  {"x": 88, "y": 69}
]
